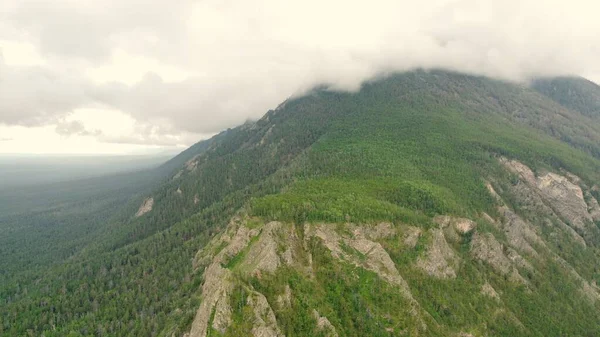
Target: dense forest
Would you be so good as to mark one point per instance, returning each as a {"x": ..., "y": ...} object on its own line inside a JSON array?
[{"x": 404, "y": 150}]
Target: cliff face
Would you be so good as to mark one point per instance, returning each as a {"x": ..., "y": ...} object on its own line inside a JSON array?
[
  {"x": 563, "y": 198},
  {"x": 259, "y": 274}
]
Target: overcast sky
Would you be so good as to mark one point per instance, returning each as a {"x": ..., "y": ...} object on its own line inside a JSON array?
[{"x": 133, "y": 76}]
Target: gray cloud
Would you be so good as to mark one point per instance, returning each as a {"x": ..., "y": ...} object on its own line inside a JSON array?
[
  {"x": 245, "y": 57},
  {"x": 141, "y": 139},
  {"x": 32, "y": 96},
  {"x": 145, "y": 133},
  {"x": 194, "y": 105},
  {"x": 71, "y": 128},
  {"x": 89, "y": 30}
]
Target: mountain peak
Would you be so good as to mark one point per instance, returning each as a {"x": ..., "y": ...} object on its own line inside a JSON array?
[{"x": 427, "y": 203}]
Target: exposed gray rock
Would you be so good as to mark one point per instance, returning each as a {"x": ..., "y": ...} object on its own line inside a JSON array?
[
  {"x": 440, "y": 260},
  {"x": 572, "y": 178},
  {"x": 262, "y": 255},
  {"x": 145, "y": 207},
  {"x": 520, "y": 234},
  {"x": 518, "y": 260},
  {"x": 323, "y": 324},
  {"x": 375, "y": 232},
  {"x": 520, "y": 169},
  {"x": 375, "y": 259},
  {"x": 486, "y": 248},
  {"x": 265, "y": 323},
  {"x": 285, "y": 300},
  {"x": 266, "y": 135},
  {"x": 192, "y": 164},
  {"x": 488, "y": 290},
  {"x": 178, "y": 175},
  {"x": 566, "y": 198},
  {"x": 277, "y": 245},
  {"x": 460, "y": 225},
  {"x": 544, "y": 196},
  {"x": 464, "y": 226},
  {"x": 217, "y": 285},
  {"x": 411, "y": 236},
  {"x": 222, "y": 308},
  {"x": 217, "y": 280},
  {"x": 593, "y": 206},
  {"x": 493, "y": 192},
  {"x": 559, "y": 192}
]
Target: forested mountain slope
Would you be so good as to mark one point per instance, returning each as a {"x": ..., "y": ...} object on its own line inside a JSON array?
[
  {"x": 575, "y": 93},
  {"x": 425, "y": 204}
]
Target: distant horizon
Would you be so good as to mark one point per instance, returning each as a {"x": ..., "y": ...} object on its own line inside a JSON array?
[
  {"x": 165, "y": 153},
  {"x": 20, "y": 170}
]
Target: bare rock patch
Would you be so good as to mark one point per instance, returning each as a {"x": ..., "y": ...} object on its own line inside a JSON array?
[
  {"x": 323, "y": 324},
  {"x": 440, "y": 260},
  {"x": 145, "y": 207},
  {"x": 486, "y": 248},
  {"x": 488, "y": 290}
]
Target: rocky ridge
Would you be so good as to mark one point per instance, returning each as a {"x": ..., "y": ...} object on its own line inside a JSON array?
[{"x": 251, "y": 247}]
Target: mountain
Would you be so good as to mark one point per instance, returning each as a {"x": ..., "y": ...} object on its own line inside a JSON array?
[
  {"x": 575, "y": 93},
  {"x": 425, "y": 204}
]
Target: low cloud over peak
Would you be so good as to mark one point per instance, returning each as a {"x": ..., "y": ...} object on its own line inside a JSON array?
[{"x": 209, "y": 65}]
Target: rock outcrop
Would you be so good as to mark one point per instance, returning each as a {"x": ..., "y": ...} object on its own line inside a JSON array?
[
  {"x": 192, "y": 164},
  {"x": 486, "y": 248},
  {"x": 324, "y": 325},
  {"x": 145, "y": 207},
  {"x": 265, "y": 323},
  {"x": 556, "y": 196},
  {"x": 566, "y": 198},
  {"x": 488, "y": 290},
  {"x": 411, "y": 236},
  {"x": 440, "y": 260},
  {"x": 373, "y": 256},
  {"x": 461, "y": 225},
  {"x": 263, "y": 249},
  {"x": 251, "y": 249},
  {"x": 520, "y": 234},
  {"x": 218, "y": 283}
]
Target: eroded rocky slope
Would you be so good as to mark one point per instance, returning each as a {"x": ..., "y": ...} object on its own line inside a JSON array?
[{"x": 266, "y": 261}]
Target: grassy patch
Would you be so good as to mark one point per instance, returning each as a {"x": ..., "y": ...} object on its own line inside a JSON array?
[{"x": 237, "y": 259}]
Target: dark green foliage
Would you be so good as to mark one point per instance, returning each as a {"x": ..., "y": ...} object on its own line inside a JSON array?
[
  {"x": 356, "y": 301},
  {"x": 242, "y": 313},
  {"x": 403, "y": 255},
  {"x": 421, "y": 197},
  {"x": 423, "y": 153},
  {"x": 575, "y": 93},
  {"x": 335, "y": 201}
]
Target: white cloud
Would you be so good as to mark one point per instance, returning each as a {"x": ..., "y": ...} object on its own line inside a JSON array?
[
  {"x": 185, "y": 69},
  {"x": 75, "y": 127},
  {"x": 131, "y": 69},
  {"x": 38, "y": 95},
  {"x": 15, "y": 53}
]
